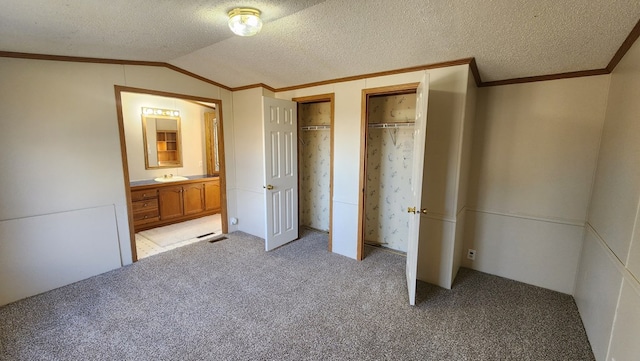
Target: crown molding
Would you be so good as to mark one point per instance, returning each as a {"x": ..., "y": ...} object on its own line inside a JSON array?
[
  {"x": 464, "y": 61},
  {"x": 531, "y": 79},
  {"x": 79, "y": 59},
  {"x": 251, "y": 86},
  {"x": 624, "y": 48}
]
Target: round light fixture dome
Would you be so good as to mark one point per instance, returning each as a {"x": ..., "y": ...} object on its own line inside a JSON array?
[{"x": 245, "y": 22}]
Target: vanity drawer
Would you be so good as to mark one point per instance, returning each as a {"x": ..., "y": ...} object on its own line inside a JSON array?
[
  {"x": 145, "y": 205},
  {"x": 145, "y": 217},
  {"x": 144, "y": 194}
]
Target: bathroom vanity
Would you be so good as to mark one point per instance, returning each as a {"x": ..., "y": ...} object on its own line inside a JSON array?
[{"x": 159, "y": 203}]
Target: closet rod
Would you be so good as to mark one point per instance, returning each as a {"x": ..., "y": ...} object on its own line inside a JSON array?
[
  {"x": 391, "y": 125},
  {"x": 315, "y": 127}
]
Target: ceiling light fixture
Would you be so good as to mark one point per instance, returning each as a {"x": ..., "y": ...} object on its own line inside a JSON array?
[{"x": 244, "y": 21}]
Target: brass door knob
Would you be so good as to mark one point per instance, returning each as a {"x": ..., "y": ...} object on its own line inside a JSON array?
[
  {"x": 424, "y": 211},
  {"x": 268, "y": 187}
]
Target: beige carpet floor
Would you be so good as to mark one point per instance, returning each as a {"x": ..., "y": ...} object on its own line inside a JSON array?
[{"x": 231, "y": 300}]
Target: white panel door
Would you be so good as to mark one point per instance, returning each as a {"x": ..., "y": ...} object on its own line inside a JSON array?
[
  {"x": 281, "y": 171},
  {"x": 420, "y": 134}
]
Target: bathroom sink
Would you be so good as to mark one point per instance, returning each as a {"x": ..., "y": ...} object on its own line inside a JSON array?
[{"x": 174, "y": 178}]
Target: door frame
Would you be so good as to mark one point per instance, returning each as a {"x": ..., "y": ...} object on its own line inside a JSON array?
[
  {"x": 125, "y": 165},
  {"x": 320, "y": 98},
  {"x": 407, "y": 88}
]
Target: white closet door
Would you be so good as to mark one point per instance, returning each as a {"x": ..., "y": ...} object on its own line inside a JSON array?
[
  {"x": 420, "y": 133},
  {"x": 281, "y": 171}
]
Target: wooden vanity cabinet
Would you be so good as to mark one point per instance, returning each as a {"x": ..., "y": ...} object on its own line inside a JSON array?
[
  {"x": 145, "y": 207},
  {"x": 212, "y": 196},
  {"x": 193, "y": 198},
  {"x": 162, "y": 204},
  {"x": 171, "y": 204}
]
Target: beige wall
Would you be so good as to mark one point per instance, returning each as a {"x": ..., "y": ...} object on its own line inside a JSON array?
[
  {"x": 534, "y": 155},
  {"x": 608, "y": 291},
  {"x": 64, "y": 214},
  {"x": 249, "y": 161}
]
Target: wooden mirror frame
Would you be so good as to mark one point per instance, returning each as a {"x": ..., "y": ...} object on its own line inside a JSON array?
[{"x": 146, "y": 145}]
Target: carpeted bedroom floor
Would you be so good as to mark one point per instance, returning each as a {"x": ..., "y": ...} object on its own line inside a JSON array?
[{"x": 230, "y": 300}]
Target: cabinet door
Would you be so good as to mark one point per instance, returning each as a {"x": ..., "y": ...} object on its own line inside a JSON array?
[
  {"x": 170, "y": 199},
  {"x": 212, "y": 195},
  {"x": 193, "y": 198}
]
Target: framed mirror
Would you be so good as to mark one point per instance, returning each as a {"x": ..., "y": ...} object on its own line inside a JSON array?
[{"x": 162, "y": 140}]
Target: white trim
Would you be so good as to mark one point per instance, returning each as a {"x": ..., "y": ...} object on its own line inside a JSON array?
[
  {"x": 439, "y": 217},
  {"x": 617, "y": 263},
  {"x": 261, "y": 191},
  {"x": 622, "y": 268},
  {"x": 612, "y": 256},
  {"x": 391, "y": 125},
  {"x": 569, "y": 222},
  {"x": 316, "y": 127}
]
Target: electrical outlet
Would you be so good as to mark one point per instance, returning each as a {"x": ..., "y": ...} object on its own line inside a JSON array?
[{"x": 471, "y": 254}]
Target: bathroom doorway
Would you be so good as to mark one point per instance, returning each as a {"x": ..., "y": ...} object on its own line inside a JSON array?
[{"x": 173, "y": 200}]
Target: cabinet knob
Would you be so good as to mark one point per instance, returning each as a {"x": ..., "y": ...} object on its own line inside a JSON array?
[
  {"x": 145, "y": 204},
  {"x": 146, "y": 216}
]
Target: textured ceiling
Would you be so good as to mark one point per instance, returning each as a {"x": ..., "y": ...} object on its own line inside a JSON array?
[{"x": 304, "y": 41}]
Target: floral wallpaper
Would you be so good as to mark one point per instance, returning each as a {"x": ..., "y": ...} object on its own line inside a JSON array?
[
  {"x": 315, "y": 166},
  {"x": 392, "y": 108},
  {"x": 315, "y": 113},
  {"x": 389, "y": 163}
]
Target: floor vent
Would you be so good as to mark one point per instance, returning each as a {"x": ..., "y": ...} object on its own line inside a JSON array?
[{"x": 217, "y": 239}]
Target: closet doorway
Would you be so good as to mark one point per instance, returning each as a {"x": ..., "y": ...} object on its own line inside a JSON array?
[
  {"x": 388, "y": 119},
  {"x": 315, "y": 162}
]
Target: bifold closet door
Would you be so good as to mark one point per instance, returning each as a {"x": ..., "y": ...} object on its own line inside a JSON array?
[{"x": 414, "y": 209}]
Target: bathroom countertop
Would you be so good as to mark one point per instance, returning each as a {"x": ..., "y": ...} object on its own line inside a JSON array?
[{"x": 147, "y": 182}]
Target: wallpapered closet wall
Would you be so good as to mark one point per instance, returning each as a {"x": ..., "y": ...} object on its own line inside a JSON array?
[
  {"x": 315, "y": 164},
  {"x": 390, "y": 121}
]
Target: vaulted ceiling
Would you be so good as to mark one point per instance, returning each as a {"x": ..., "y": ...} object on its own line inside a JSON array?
[{"x": 305, "y": 41}]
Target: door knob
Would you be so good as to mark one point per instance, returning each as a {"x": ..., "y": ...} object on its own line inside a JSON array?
[
  {"x": 424, "y": 211},
  {"x": 269, "y": 187}
]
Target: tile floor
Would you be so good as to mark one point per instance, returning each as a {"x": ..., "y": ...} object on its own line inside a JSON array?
[{"x": 145, "y": 247}]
